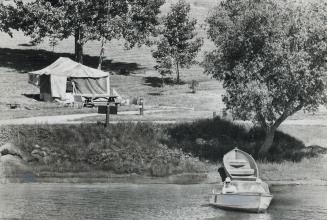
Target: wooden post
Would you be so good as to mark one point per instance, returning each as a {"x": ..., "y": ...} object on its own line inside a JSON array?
[
  {"x": 142, "y": 109},
  {"x": 214, "y": 115},
  {"x": 141, "y": 106},
  {"x": 107, "y": 115}
]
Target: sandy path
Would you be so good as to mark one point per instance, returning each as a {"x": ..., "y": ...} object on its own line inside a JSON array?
[
  {"x": 74, "y": 119},
  {"x": 58, "y": 119},
  {"x": 70, "y": 119}
]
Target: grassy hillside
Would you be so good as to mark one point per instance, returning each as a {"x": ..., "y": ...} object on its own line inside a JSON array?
[{"x": 132, "y": 72}]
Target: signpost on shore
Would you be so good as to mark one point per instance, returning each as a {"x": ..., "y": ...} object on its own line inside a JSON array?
[
  {"x": 107, "y": 115},
  {"x": 141, "y": 106},
  {"x": 108, "y": 109}
]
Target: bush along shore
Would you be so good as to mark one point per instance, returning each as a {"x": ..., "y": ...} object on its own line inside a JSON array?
[
  {"x": 210, "y": 139},
  {"x": 93, "y": 151},
  {"x": 154, "y": 151}
]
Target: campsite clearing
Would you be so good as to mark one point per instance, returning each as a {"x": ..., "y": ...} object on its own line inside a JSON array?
[{"x": 134, "y": 76}]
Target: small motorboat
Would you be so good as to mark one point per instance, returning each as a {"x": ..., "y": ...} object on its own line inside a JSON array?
[{"x": 243, "y": 189}]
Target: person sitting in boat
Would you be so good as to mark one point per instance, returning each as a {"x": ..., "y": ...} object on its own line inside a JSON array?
[{"x": 228, "y": 187}]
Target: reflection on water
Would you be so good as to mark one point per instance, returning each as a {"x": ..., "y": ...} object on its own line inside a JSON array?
[
  {"x": 128, "y": 201},
  {"x": 231, "y": 215}
]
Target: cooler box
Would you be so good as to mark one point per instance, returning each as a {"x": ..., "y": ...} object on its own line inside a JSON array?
[{"x": 102, "y": 109}]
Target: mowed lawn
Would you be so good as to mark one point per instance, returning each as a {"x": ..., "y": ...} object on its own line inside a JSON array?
[{"x": 132, "y": 72}]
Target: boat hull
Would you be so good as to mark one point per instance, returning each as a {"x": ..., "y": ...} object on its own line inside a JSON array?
[{"x": 250, "y": 202}]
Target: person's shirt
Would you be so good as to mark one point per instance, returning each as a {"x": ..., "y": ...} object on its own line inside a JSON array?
[{"x": 228, "y": 188}]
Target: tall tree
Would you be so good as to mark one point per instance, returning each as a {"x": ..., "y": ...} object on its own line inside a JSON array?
[
  {"x": 271, "y": 57},
  {"x": 178, "y": 45},
  {"x": 7, "y": 18},
  {"x": 85, "y": 20},
  {"x": 3, "y": 19}
]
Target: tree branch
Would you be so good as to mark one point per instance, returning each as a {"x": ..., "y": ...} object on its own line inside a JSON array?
[
  {"x": 287, "y": 113},
  {"x": 262, "y": 120},
  {"x": 298, "y": 108}
]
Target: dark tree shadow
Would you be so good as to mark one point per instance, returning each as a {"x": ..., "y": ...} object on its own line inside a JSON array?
[
  {"x": 155, "y": 93},
  {"x": 26, "y": 45},
  {"x": 157, "y": 81},
  {"x": 33, "y": 96},
  {"x": 120, "y": 68},
  {"x": 26, "y": 60}
]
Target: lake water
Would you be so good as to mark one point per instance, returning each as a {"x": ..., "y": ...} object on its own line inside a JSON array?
[{"x": 162, "y": 201}]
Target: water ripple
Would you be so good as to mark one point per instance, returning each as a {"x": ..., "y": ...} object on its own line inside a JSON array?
[{"x": 130, "y": 201}]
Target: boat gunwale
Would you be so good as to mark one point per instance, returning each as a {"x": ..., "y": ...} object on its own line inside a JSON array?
[
  {"x": 249, "y": 158},
  {"x": 238, "y": 208},
  {"x": 245, "y": 194}
]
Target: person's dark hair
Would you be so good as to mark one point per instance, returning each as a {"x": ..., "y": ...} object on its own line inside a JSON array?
[{"x": 222, "y": 173}]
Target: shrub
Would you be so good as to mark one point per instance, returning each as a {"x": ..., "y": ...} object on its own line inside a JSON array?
[{"x": 219, "y": 136}]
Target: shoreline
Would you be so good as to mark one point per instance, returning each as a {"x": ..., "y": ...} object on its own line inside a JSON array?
[
  {"x": 179, "y": 179},
  {"x": 90, "y": 178}
]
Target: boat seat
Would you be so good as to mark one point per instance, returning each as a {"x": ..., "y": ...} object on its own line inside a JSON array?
[
  {"x": 241, "y": 172},
  {"x": 244, "y": 178},
  {"x": 238, "y": 163}
]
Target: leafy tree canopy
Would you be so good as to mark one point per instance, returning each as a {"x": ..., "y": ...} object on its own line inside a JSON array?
[
  {"x": 134, "y": 20},
  {"x": 271, "y": 57},
  {"x": 7, "y": 20}
]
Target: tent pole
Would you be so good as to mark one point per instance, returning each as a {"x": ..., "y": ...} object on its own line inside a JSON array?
[
  {"x": 108, "y": 84},
  {"x": 74, "y": 89}
]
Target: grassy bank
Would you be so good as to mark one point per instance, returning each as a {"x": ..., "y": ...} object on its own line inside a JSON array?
[
  {"x": 145, "y": 149},
  {"x": 120, "y": 149},
  {"x": 308, "y": 170}
]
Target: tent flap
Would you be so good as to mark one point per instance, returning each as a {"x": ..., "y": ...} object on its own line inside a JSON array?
[
  {"x": 58, "y": 86},
  {"x": 45, "y": 88},
  {"x": 92, "y": 86}
]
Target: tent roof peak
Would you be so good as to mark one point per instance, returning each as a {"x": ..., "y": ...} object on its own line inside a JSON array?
[{"x": 66, "y": 67}]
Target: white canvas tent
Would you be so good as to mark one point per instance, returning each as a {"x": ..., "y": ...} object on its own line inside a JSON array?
[{"x": 66, "y": 75}]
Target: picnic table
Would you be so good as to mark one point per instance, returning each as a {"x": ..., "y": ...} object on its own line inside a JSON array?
[
  {"x": 13, "y": 105},
  {"x": 100, "y": 100}
]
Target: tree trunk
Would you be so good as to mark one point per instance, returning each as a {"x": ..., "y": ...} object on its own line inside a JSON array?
[
  {"x": 78, "y": 45},
  {"x": 177, "y": 72},
  {"x": 162, "y": 81},
  {"x": 101, "y": 53},
  {"x": 270, "y": 134}
]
